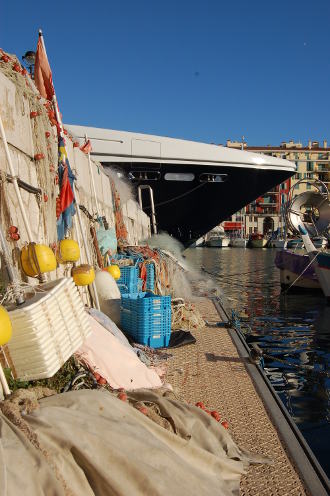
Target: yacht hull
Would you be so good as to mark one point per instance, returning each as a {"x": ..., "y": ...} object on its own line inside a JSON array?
[{"x": 188, "y": 210}]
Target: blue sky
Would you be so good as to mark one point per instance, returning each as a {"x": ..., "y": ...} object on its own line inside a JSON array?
[{"x": 203, "y": 70}]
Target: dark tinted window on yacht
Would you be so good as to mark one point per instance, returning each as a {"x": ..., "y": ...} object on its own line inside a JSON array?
[
  {"x": 139, "y": 175},
  {"x": 213, "y": 178},
  {"x": 179, "y": 176}
]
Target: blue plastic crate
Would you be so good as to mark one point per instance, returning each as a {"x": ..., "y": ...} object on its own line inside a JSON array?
[
  {"x": 147, "y": 318},
  {"x": 150, "y": 283},
  {"x": 128, "y": 281}
]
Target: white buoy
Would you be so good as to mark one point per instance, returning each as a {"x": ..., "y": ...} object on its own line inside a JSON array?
[{"x": 109, "y": 295}]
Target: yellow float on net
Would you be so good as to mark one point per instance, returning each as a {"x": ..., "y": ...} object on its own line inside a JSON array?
[
  {"x": 83, "y": 275},
  {"x": 68, "y": 251},
  {"x": 37, "y": 259},
  {"x": 5, "y": 326},
  {"x": 114, "y": 270}
]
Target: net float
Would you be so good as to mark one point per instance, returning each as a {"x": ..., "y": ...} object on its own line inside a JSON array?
[
  {"x": 83, "y": 275},
  {"x": 114, "y": 271},
  {"x": 68, "y": 251},
  {"x": 14, "y": 236},
  {"x": 39, "y": 156},
  {"x": 5, "y": 326},
  {"x": 16, "y": 68},
  {"x": 37, "y": 259}
]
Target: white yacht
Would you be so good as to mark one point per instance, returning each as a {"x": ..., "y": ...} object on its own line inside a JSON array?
[
  {"x": 217, "y": 238},
  {"x": 195, "y": 185}
]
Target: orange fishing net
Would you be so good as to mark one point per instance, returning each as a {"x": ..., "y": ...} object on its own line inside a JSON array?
[{"x": 121, "y": 231}]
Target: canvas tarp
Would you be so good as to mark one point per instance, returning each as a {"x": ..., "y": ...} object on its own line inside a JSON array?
[{"x": 91, "y": 443}]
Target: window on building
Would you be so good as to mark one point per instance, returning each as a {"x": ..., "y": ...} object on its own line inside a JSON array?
[
  {"x": 255, "y": 229},
  {"x": 250, "y": 218},
  {"x": 250, "y": 230},
  {"x": 308, "y": 186},
  {"x": 310, "y": 166},
  {"x": 256, "y": 219}
]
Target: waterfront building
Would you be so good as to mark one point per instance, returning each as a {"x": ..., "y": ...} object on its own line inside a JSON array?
[{"x": 264, "y": 215}]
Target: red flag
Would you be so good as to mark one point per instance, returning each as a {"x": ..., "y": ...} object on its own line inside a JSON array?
[
  {"x": 87, "y": 147},
  {"x": 42, "y": 73}
]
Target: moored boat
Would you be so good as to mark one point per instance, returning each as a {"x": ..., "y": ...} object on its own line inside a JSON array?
[
  {"x": 278, "y": 243},
  {"x": 257, "y": 240},
  {"x": 218, "y": 240},
  {"x": 187, "y": 178},
  {"x": 238, "y": 242},
  {"x": 296, "y": 271}
]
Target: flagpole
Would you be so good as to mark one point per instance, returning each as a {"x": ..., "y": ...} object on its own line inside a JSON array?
[
  {"x": 59, "y": 121},
  {"x": 54, "y": 99}
]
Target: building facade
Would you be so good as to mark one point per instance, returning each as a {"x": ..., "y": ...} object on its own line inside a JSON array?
[{"x": 265, "y": 214}]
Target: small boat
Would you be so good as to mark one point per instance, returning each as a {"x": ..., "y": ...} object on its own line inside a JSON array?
[
  {"x": 294, "y": 264},
  {"x": 238, "y": 242},
  {"x": 278, "y": 243},
  {"x": 257, "y": 240},
  {"x": 308, "y": 215},
  {"x": 218, "y": 240}
]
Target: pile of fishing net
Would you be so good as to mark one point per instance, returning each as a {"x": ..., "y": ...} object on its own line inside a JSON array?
[{"x": 185, "y": 316}]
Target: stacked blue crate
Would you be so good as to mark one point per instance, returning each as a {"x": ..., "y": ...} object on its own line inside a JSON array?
[
  {"x": 150, "y": 283},
  {"x": 147, "y": 318},
  {"x": 129, "y": 279}
]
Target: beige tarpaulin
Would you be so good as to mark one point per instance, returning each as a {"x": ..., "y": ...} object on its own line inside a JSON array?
[{"x": 91, "y": 443}]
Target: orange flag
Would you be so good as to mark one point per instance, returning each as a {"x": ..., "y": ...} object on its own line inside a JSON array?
[{"x": 42, "y": 73}]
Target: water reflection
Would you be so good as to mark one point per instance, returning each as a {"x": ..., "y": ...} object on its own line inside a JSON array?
[{"x": 293, "y": 330}]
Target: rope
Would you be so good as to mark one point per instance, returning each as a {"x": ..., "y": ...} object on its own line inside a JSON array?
[
  {"x": 18, "y": 288},
  {"x": 178, "y": 197}
]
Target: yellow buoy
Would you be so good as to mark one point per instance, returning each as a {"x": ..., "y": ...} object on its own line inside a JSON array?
[
  {"x": 5, "y": 326},
  {"x": 83, "y": 275},
  {"x": 114, "y": 270},
  {"x": 37, "y": 259},
  {"x": 68, "y": 251}
]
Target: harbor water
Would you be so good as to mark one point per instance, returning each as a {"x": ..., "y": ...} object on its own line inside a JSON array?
[{"x": 292, "y": 329}]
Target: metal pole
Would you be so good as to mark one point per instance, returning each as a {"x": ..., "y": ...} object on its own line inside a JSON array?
[{"x": 151, "y": 193}]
